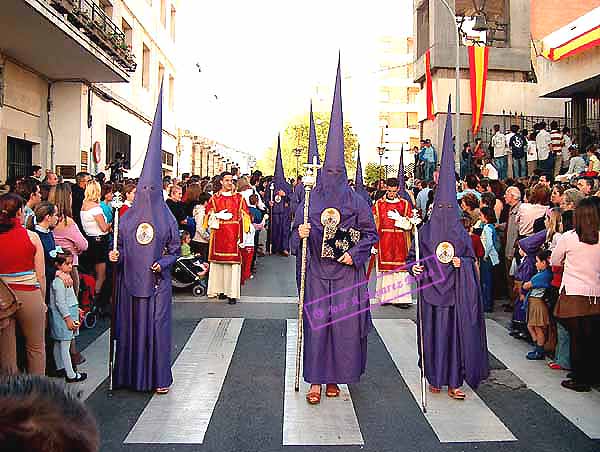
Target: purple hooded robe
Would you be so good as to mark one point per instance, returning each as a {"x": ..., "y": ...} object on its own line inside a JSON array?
[
  {"x": 143, "y": 317},
  {"x": 281, "y": 214},
  {"x": 454, "y": 337},
  {"x": 337, "y": 318}
]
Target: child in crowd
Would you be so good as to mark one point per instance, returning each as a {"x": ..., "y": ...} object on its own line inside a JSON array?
[
  {"x": 538, "y": 317},
  {"x": 259, "y": 218},
  {"x": 64, "y": 317},
  {"x": 199, "y": 242},
  {"x": 489, "y": 240},
  {"x": 186, "y": 239},
  {"x": 247, "y": 250},
  {"x": 475, "y": 239}
]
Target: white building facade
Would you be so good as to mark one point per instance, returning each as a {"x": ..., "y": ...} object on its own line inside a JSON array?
[{"x": 80, "y": 80}]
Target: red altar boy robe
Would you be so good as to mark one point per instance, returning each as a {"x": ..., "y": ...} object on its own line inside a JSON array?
[
  {"x": 392, "y": 251},
  {"x": 223, "y": 246}
]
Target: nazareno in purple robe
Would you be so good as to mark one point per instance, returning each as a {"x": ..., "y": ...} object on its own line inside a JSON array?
[
  {"x": 143, "y": 310},
  {"x": 281, "y": 214},
  {"x": 454, "y": 337},
  {"x": 337, "y": 318}
]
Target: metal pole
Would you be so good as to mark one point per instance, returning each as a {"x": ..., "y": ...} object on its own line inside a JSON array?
[{"x": 457, "y": 88}]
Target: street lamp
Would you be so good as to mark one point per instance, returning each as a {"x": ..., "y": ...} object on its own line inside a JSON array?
[
  {"x": 297, "y": 153},
  {"x": 380, "y": 151},
  {"x": 457, "y": 77}
]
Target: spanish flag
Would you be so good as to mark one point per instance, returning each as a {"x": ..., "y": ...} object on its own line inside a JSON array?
[
  {"x": 573, "y": 46},
  {"x": 428, "y": 86},
  {"x": 478, "y": 66}
]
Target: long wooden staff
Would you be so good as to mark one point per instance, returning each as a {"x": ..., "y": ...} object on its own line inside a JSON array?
[
  {"x": 309, "y": 181},
  {"x": 415, "y": 220},
  {"x": 270, "y": 235},
  {"x": 117, "y": 203}
]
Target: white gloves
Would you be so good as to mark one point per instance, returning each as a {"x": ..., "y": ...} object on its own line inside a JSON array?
[
  {"x": 213, "y": 222},
  {"x": 403, "y": 223},
  {"x": 224, "y": 215},
  {"x": 374, "y": 250},
  {"x": 399, "y": 221},
  {"x": 394, "y": 215}
]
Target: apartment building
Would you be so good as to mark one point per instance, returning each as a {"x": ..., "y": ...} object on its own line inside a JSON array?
[{"x": 79, "y": 80}]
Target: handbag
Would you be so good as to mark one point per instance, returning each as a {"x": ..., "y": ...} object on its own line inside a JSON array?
[{"x": 9, "y": 304}]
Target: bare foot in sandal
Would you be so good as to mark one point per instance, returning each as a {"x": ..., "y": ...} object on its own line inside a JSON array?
[
  {"x": 313, "y": 396},
  {"x": 332, "y": 390},
  {"x": 456, "y": 394}
]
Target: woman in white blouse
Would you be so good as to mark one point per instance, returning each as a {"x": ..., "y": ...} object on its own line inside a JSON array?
[{"x": 96, "y": 230}]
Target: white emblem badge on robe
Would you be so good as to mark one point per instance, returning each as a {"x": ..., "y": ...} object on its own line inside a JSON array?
[
  {"x": 445, "y": 252},
  {"x": 144, "y": 233}
]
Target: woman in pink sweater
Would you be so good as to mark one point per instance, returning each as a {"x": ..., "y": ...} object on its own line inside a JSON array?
[
  {"x": 578, "y": 306},
  {"x": 68, "y": 236}
]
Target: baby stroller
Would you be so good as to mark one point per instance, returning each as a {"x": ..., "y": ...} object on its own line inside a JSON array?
[
  {"x": 190, "y": 271},
  {"x": 87, "y": 285}
]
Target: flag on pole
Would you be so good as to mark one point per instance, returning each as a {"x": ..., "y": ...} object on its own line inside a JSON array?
[
  {"x": 429, "y": 86},
  {"x": 478, "y": 66}
]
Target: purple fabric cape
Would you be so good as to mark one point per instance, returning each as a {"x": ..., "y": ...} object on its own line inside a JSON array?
[
  {"x": 337, "y": 315},
  {"x": 455, "y": 344},
  {"x": 143, "y": 317}
]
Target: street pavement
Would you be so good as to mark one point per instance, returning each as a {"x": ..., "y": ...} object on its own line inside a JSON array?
[{"x": 233, "y": 368}]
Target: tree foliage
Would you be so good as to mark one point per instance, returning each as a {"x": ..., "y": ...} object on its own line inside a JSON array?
[{"x": 296, "y": 135}]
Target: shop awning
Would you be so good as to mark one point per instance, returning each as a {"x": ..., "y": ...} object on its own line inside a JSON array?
[{"x": 573, "y": 38}]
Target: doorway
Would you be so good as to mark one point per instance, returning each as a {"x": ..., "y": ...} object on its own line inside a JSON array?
[{"x": 19, "y": 158}]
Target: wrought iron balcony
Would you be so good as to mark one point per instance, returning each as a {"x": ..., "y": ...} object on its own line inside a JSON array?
[{"x": 89, "y": 17}]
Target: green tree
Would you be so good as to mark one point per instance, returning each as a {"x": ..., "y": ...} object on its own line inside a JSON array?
[
  {"x": 373, "y": 172},
  {"x": 296, "y": 136}
]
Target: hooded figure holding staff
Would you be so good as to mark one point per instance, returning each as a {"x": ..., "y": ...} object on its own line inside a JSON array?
[
  {"x": 148, "y": 244},
  {"x": 451, "y": 311},
  {"x": 336, "y": 308},
  {"x": 281, "y": 214}
]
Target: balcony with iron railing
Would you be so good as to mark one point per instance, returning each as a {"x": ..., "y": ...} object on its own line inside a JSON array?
[{"x": 95, "y": 23}]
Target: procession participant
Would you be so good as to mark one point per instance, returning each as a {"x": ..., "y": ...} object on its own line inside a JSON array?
[
  {"x": 148, "y": 244},
  {"x": 313, "y": 151},
  {"x": 228, "y": 218},
  {"x": 451, "y": 311},
  {"x": 335, "y": 348},
  {"x": 392, "y": 218},
  {"x": 359, "y": 186},
  {"x": 402, "y": 192},
  {"x": 299, "y": 192},
  {"x": 280, "y": 208}
]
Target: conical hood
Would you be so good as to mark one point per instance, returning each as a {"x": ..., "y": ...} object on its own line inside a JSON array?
[
  {"x": 145, "y": 225},
  {"x": 313, "y": 148},
  {"x": 279, "y": 176},
  {"x": 444, "y": 226},
  {"x": 402, "y": 193},
  {"x": 334, "y": 178},
  {"x": 359, "y": 186}
]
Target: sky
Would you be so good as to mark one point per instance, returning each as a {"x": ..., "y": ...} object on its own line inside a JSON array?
[{"x": 261, "y": 61}]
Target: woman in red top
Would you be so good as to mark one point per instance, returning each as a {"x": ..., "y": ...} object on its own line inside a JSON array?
[{"x": 22, "y": 268}]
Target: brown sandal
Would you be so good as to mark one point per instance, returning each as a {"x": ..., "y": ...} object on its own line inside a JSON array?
[
  {"x": 456, "y": 394},
  {"x": 434, "y": 390},
  {"x": 332, "y": 391},
  {"x": 314, "y": 398},
  {"x": 161, "y": 391}
]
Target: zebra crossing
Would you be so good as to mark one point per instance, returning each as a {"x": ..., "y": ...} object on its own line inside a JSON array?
[{"x": 202, "y": 370}]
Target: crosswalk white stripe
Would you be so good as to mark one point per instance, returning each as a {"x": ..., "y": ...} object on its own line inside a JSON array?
[
  {"x": 183, "y": 415},
  {"x": 242, "y": 299},
  {"x": 331, "y": 423},
  {"x": 581, "y": 409},
  {"x": 96, "y": 367},
  {"x": 468, "y": 421}
]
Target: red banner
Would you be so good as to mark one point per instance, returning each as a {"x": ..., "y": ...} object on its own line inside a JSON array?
[
  {"x": 478, "y": 66},
  {"x": 429, "y": 86}
]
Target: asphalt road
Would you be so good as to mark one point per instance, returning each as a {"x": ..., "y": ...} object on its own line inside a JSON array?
[{"x": 230, "y": 389}]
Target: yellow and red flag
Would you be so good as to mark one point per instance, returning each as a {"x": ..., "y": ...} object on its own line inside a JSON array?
[
  {"x": 575, "y": 45},
  {"x": 429, "y": 86},
  {"x": 478, "y": 66}
]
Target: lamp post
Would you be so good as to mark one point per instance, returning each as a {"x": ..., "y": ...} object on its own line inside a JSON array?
[
  {"x": 297, "y": 153},
  {"x": 457, "y": 77},
  {"x": 380, "y": 151}
]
